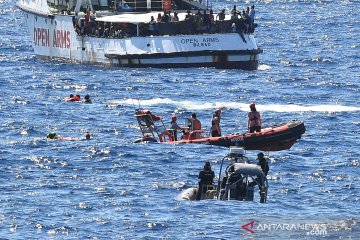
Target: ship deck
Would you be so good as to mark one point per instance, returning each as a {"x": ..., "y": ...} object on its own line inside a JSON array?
[{"x": 132, "y": 17}]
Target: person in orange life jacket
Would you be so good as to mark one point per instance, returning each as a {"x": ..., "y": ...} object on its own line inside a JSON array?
[
  {"x": 263, "y": 163},
  {"x": 215, "y": 123},
  {"x": 254, "y": 119},
  {"x": 73, "y": 98},
  {"x": 206, "y": 177},
  {"x": 174, "y": 127},
  {"x": 77, "y": 98}
]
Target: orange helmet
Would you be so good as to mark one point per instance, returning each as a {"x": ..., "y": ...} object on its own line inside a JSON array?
[{"x": 173, "y": 118}]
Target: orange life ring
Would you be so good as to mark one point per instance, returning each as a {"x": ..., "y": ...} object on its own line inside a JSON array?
[{"x": 166, "y": 136}]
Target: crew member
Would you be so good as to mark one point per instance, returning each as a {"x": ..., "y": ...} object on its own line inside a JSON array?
[
  {"x": 215, "y": 123},
  {"x": 195, "y": 123},
  {"x": 206, "y": 177},
  {"x": 263, "y": 163},
  {"x": 254, "y": 119},
  {"x": 174, "y": 127}
]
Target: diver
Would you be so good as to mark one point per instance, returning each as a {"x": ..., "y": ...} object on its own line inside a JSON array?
[
  {"x": 263, "y": 163},
  {"x": 206, "y": 177},
  {"x": 215, "y": 123},
  {"x": 254, "y": 119}
]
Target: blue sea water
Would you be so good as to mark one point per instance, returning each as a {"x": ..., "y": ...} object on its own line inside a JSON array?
[{"x": 110, "y": 187}]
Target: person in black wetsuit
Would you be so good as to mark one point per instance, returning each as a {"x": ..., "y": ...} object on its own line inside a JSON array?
[
  {"x": 263, "y": 163},
  {"x": 206, "y": 177}
]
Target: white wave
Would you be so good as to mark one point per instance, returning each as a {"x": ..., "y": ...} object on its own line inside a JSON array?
[
  {"x": 192, "y": 105},
  {"x": 264, "y": 67}
]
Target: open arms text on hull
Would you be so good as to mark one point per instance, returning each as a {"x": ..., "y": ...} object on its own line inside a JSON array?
[{"x": 119, "y": 33}]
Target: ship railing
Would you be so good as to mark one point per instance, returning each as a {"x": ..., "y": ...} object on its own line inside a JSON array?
[{"x": 187, "y": 27}]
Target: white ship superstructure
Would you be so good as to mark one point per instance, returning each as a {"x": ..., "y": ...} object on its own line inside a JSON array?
[{"x": 119, "y": 33}]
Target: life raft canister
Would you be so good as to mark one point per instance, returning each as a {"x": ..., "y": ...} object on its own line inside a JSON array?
[{"x": 166, "y": 136}]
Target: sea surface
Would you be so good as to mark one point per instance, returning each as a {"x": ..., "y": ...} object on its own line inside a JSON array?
[{"x": 112, "y": 188}]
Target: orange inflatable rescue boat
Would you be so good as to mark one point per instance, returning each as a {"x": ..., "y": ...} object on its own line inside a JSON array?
[{"x": 275, "y": 138}]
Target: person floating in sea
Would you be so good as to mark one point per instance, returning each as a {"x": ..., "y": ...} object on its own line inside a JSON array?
[
  {"x": 53, "y": 135},
  {"x": 87, "y": 99},
  {"x": 174, "y": 127},
  {"x": 254, "y": 119},
  {"x": 73, "y": 98},
  {"x": 263, "y": 163},
  {"x": 206, "y": 177},
  {"x": 215, "y": 123},
  {"x": 87, "y": 136}
]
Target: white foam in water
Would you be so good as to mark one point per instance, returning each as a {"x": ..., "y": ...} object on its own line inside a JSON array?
[
  {"x": 264, "y": 67},
  {"x": 191, "y": 105}
]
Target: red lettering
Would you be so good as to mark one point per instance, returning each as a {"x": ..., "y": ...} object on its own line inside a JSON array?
[
  {"x": 43, "y": 37},
  {"x": 48, "y": 37},
  {"x": 54, "y": 39},
  {"x": 68, "y": 39},
  {"x": 57, "y": 38},
  {"x": 58, "y": 34},
  {"x": 63, "y": 38}
]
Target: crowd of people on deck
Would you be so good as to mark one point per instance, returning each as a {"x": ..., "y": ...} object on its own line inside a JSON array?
[{"x": 168, "y": 23}]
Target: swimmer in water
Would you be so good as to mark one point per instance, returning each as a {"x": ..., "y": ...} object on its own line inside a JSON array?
[
  {"x": 87, "y": 99},
  {"x": 88, "y": 136}
]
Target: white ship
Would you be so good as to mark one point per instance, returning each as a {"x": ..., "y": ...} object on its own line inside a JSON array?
[{"x": 121, "y": 33}]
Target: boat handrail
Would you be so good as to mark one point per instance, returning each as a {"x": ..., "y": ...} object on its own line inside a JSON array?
[{"x": 118, "y": 30}]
